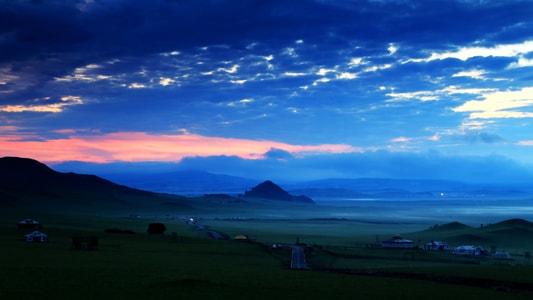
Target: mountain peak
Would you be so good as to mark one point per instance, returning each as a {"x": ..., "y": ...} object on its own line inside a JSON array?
[{"x": 270, "y": 190}]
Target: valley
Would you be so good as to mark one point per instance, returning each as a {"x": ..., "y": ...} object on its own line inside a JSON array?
[{"x": 341, "y": 238}]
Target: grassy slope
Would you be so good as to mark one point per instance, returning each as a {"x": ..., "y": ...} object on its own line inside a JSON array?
[
  {"x": 513, "y": 235},
  {"x": 141, "y": 266}
]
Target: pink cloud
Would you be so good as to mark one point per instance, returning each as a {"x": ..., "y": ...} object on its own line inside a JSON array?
[
  {"x": 526, "y": 143},
  {"x": 141, "y": 146}
]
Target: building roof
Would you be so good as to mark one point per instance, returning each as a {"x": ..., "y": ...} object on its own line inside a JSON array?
[
  {"x": 36, "y": 233},
  {"x": 28, "y": 221}
]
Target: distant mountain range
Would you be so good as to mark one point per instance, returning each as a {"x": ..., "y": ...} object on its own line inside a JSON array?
[
  {"x": 164, "y": 178},
  {"x": 27, "y": 182},
  {"x": 24, "y": 180},
  {"x": 191, "y": 182},
  {"x": 170, "y": 178}
]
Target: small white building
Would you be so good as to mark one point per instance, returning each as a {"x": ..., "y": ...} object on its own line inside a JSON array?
[
  {"x": 470, "y": 251},
  {"x": 502, "y": 255},
  {"x": 397, "y": 242},
  {"x": 437, "y": 246},
  {"x": 28, "y": 223},
  {"x": 36, "y": 237},
  {"x": 241, "y": 237}
]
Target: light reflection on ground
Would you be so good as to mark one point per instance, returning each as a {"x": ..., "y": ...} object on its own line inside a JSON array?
[{"x": 468, "y": 211}]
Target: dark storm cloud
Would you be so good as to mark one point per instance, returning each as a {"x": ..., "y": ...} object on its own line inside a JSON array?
[
  {"x": 123, "y": 28},
  {"x": 44, "y": 40}
]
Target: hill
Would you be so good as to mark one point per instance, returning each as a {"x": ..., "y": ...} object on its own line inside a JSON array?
[
  {"x": 27, "y": 182},
  {"x": 162, "y": 177},
  {"x": 514, "y": 223},
  {"x": 452, "y": 226},
  {"x": 508, "y": 234},
  {"x": 271, "y": 191}
]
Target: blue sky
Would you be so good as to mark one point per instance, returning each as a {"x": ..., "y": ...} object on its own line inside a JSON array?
[{"x": 294, "y": 89}]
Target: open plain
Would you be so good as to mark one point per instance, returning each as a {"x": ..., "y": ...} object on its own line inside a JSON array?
[{"x": 341, "y": 240}]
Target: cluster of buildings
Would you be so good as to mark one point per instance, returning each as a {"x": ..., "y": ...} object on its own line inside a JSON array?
[
  {"x": 35, "y": 236},
  {"x": 398, "y": 242}
]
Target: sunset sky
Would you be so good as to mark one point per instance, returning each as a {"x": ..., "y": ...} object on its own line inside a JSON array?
[{"x": 301, "y": 89}]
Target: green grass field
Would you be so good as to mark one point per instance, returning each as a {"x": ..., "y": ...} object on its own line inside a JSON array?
[{"x": 143, "y": 266}]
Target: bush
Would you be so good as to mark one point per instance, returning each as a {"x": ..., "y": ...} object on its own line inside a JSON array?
[{"x": 156, "y": 228}]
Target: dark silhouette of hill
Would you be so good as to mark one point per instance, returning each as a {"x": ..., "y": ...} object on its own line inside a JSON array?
[
  {"x": 452, "y": 226},
  {"x": 163, "y": 177},
  {"x": 512, "y": 233},
  {"x": 516, "y": 223},
  {"x": 271, "y": 191},
  {"x": 511, "y": 227},
  {"x": 25, "y": 181}
]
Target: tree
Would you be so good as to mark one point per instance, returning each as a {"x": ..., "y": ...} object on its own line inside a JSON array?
[{"x": 156, "y": 228}]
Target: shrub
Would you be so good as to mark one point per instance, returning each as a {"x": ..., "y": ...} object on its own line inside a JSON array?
[{"x": 156, "y": 228}]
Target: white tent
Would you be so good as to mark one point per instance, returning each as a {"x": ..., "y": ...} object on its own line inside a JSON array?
[
  {"x": 470, "y": 251},
  {"x": 28, "y": 223},
  {"x": 36, "y": 237},
  {"x": 437, "y": 246},
  {"x": 502, "y": 255},
  {"x": 397, "y": 242}
]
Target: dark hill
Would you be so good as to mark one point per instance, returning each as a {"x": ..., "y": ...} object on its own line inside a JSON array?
[
  {"x": 513, "y": 223},
  {"x": 28, "y": 182},
  {"x": 28, "y": 174},
  {"x": 271, "y": 191},
  {"x": 453, "y": 226}
]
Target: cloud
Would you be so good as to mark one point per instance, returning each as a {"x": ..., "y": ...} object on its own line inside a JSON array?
[
  {"x": 53, "y": 107},
  {"x": 476, "y": 74},
  {"x": 526, "y": 143},
  {"x": 522, "y": 63},
  {"x": 141, "y": 146},
  {"x": 466, "y": 53},
  {"x": 280, "y": 154},
  {"x": 501, "y": 104},
  {"x": 433, "y": 95},
  {"x": 311, "y": 74}
]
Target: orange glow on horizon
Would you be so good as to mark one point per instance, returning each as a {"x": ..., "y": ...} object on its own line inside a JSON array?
[{"x": 141, "y": 146}]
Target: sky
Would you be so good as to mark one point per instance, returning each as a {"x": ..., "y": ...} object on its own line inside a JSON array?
[{"x": 295, "y": 89}]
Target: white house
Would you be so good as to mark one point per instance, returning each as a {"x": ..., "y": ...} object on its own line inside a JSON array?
[
  {"x": 397, "y": 242},
  {"x": 36, "y": 237},
  {"x": 501, "y": 255},
  {"x": 470, "y": 251},
  {"x": 437, "y": 246}
]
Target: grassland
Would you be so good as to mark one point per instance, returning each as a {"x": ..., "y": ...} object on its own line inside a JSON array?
[{"x": 143, "y": 266}]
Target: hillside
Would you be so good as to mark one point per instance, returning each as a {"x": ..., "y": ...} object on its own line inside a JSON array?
[
  {"x": 509, "y": 234},
  {"x": 27, "y": 182},
  {"x": 449, "y": 227},
  {"x": 271, "y": 191}
]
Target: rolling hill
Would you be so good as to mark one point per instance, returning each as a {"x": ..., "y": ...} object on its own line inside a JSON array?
[
  {"x": 509, "y": 234},
  {"x": 29, "y": 183}
]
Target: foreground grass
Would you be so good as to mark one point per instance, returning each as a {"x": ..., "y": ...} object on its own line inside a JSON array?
[{"x": 142, "y": 266}]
